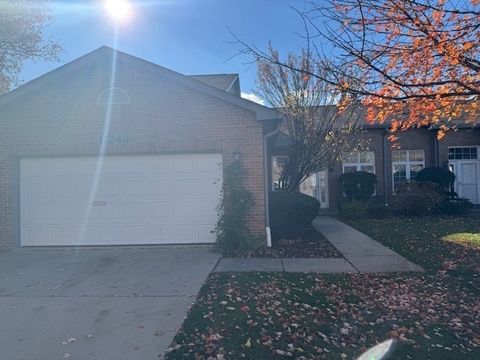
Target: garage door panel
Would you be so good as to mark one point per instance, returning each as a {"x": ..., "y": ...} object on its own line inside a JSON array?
[
  {"x": 203, "y": 164},
  {"x": 189, "y": 187},
  {"x": 61, "y": 192},
  {"x": 157, "y": 234},
  {"x": 157, "y": 186},
  {"x": 204, "y": 233},
  {"x": 105, "y": 212},
  {"x": 38, "y": 169},
  {"x": 135, "y": 213},
  {"x": 65, "y": 214},
  {"x": 37, "y": 192},
  {"x": 123, "y": 166},
  {"x": 85, "y": 167},
  {"x": 160, "y": 166},
  {"x": 183, "y": 165},
  {"x": 158, "y": 210},
  {"x": 137, "y": 200},
  {"x": 181, "y": 233},
  {"x": 38, "y": 215},
  {"x": 36, "y": 235},
  {"x": 207, "y": 209}
]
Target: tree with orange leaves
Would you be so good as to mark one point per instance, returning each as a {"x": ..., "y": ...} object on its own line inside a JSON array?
[{"x": 413, "y": 63}]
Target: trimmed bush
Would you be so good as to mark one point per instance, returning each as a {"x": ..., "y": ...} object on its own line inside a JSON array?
[
  {"x": 437, "y": 175},
  {"x": 353, "y": 209},
  {"x": 291, "y": 212},
  {"x": 358, "y": 185},
  {"x": 457, "y": 206},
  {"x": 441, "y": 176},
  {"x": 417, "y": 198}
]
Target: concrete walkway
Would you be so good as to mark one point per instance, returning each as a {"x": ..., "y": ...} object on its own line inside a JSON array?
[
  {"x": 330, "y": 265},
  {"x": 364, "y": 253},
  {"x": 361, "y": 254}
]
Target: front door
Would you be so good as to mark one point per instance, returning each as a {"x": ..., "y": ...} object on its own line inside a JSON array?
[
  {"x": 317, "y": 186},
  {"x": 467, "y": 179}
]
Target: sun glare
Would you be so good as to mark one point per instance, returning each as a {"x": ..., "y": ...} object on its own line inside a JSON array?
[{"x": 118, "y": 10}]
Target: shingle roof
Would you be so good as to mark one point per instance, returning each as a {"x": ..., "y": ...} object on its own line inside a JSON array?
[
  {"x": 106, "y": 55},
  {"x": 220, "y": 81}
]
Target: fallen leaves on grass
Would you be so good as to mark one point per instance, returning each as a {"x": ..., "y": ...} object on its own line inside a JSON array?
[{"x": 279, "y": 316}]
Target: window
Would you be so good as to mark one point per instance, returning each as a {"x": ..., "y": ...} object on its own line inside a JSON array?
[
  {"x": 406, "y": 164},
  {"x": 364, "y": 161},
  {"x": 462, "y": 153},
  {"x": 278, "y": 164}
]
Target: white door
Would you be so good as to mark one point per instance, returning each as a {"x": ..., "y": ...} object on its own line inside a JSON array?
[
  {"x": 467, "y": 179},
  {"x": 122, "y": 200},
  {"x": 323, "y": 189},
  {"x": 316, "y": 185}
]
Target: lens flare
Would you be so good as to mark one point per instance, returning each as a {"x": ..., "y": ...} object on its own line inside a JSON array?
[{"x": 118, "y": 10}]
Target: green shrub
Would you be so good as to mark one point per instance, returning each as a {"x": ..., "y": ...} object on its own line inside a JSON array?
[
  {"x": 358, "y": 185},
  {"x": 417, "y": 198},
  {"x": 437, "y": 175},
  {"x": 231, "y": 232},
  {"x": 353, "y": 209},
  {"x": 456, "y": 206},
  {"x": 376, "y": 209},
  {"x": 291, "y": 212},
  {"x": 441, "y": 176}
]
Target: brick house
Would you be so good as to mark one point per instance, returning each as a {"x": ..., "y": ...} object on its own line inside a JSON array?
[
  {"x": 114, "y": 150},
  {"x": 419, "y": 148}
]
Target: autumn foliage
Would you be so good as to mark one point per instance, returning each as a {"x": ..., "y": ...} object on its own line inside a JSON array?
[{"x": 412, "y": 62}]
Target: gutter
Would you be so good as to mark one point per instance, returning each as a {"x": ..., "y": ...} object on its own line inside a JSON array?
[{"x": 266, "y": 185}]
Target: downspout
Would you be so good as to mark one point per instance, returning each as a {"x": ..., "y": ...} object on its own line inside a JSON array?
[
  {"x": 266, "y": 182},
  {"x": 435, "y": 150},
  {"x": 385, "y": 170}
]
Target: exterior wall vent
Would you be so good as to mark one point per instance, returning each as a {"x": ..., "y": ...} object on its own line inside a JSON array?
[{"x": 113, "y": 96}]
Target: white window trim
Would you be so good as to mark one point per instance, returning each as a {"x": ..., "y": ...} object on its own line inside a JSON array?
[
  {"x": 407, "y": 164},
  {"x": 359, "y": 164},
  {"x": 464, "y": 146}
]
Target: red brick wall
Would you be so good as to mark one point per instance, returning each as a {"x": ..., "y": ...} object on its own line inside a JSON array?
[
  {"x": 416, "y": 139},
  {"x": 463, "y": 137},
  {"x": 375, "y": 144},
  {"x": 61, "y": 118}
]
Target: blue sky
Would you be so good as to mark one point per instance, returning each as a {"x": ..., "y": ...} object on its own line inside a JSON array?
[{"x": 189, "y": 36}]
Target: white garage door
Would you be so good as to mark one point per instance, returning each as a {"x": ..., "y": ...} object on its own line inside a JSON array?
[{"x": 167, "y": 199}]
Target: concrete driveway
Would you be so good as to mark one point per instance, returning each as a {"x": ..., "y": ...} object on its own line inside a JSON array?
[{"x": 115, "y": 303}]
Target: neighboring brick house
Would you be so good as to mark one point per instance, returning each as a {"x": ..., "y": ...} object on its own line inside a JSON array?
[
  {"x": 113, "y": 150},
  {"x": 419, "y": 148}
]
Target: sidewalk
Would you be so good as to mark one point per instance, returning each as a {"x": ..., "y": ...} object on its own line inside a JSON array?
[
  {"x": 364, "y": 253},
  {"x": 361, "y": 254}
]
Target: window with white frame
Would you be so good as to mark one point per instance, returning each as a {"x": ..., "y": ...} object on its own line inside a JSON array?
[
  {"x": 462, "y": 153},
  {"x": 406, "y": 164},
  {"x": 363, "y": 161},
  {"x": 278, "y": 164}
]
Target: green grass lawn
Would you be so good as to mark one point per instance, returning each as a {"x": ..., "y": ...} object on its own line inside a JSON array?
[
  {"x": 435, "y": 315},
  {"x": 437, "y": 243}
]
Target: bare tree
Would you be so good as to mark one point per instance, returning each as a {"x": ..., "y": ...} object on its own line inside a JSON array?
[
  {"x": 319, "y": 129},
  {"x": 22, "y": 25}
]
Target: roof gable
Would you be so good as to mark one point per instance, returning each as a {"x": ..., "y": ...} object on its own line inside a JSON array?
[{"x": 105, "y": 53}]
